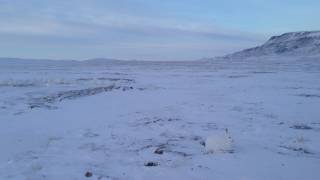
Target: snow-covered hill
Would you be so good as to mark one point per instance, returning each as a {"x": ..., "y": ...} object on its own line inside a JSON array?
[{"x": 301, "y": 44}]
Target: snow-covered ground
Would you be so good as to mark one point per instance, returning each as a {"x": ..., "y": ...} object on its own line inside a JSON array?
[{"x": 138, "y": 120}]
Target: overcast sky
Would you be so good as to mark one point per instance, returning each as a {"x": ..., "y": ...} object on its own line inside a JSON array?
[{"x": 146, "y": 29}]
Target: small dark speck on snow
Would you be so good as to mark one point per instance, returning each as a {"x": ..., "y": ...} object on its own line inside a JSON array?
[
  {"x": 150, "y": 163},
  {"x": 88, "y": 174},
  {"x": 301, "y": 127},
  {"x": 309, "y": 95},
  {"x": 159, "y": 151}
]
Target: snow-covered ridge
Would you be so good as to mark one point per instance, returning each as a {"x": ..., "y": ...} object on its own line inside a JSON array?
[{"x": 305, "y": 43}]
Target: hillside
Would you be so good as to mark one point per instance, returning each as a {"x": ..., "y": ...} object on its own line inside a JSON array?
[{"x": 301, "y": 44}]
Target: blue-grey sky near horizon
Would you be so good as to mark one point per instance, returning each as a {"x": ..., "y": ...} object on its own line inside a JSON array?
[{"x": 146, "y": 29}]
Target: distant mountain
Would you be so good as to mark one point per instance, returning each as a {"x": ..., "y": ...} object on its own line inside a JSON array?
[
  {"x": 98, "y": 61},
  {"x": 22, "y": 61},
  {"x": 298, "y": 44},
  {"x": 33, "y": 61}
]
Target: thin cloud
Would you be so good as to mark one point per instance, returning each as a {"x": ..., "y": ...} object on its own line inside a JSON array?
[{"x": 84, "y": 24}]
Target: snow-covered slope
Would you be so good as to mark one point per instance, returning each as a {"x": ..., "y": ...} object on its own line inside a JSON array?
[{"x": 302, "y": 44}]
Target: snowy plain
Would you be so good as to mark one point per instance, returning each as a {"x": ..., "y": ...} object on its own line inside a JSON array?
[{"x": 151, "y": 120}]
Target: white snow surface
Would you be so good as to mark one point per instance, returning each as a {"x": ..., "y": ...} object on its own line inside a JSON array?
[{"x": 151, "y": 120}]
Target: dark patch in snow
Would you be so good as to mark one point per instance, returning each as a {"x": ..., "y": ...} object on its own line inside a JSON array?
[
  {"x": 106, "y": 79},
  {"x": 203, "y": 143},
  {"x": 90, "y": 134},
  {"x": 84, "y": 79},
  {"x": 18, "y": 113},
  {"x": 262, "y": 72},
  {"x": 151, "y": 163},
  {"x": 24, "y": 85},
  {"x": 181, "y": 153},
  {"x": 301, "y": 127},
  {"x": 309, "y": 95},
  {"x": 116, "y": 79},
  {"x": 35, "y": 105},
  {"x": 297, "y": 149},
  {"x": 159, "y": 151},
  {"x": 88, "y": 174},
  {"x": 45, "y": 102},
  {"x": 294, "y": 87},
  {"x": 237, "y": 76},
  {"x": 126, "y": 88},
  {"x": 156, "y": 120},
  {"x": 142, "y": 89}
]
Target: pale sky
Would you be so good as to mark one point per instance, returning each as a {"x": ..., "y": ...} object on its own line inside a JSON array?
[{"x": 146, "y": 29}]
